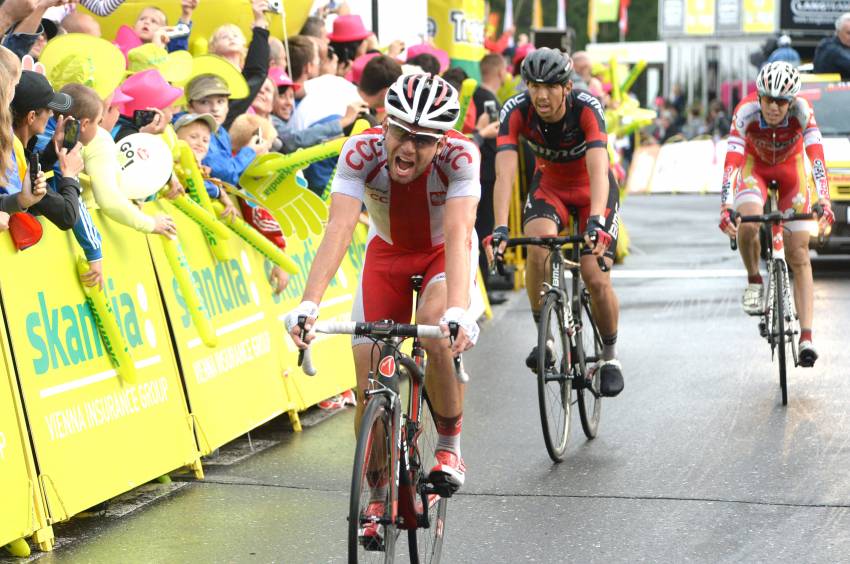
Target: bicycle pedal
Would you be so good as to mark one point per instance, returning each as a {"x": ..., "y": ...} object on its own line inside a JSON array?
[{"x": 441, "y": 488}]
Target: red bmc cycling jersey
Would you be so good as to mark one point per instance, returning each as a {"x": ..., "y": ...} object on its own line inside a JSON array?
[
  {"x": 559, "y": 147},
  {"x": 772, "y": 147}
]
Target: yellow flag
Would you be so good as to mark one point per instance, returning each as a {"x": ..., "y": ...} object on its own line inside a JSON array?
[
  {"x": 592, "y": 24},
  {"x": 537, "y": 17}
]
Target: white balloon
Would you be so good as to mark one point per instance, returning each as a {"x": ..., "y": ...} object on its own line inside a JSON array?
[{"x": 146, "y": 164}]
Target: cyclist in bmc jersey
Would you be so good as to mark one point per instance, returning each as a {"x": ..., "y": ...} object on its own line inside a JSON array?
[
  {"x": 419, "y": 180},
  {"x": 770, "y": 130},
  {"x": 565, "y": 128}
]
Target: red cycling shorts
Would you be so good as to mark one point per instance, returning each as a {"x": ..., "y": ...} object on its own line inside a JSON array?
[{"x": 795, "y": 190}]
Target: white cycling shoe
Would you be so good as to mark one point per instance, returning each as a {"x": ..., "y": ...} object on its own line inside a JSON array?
[{"x": 753, "y": 299}]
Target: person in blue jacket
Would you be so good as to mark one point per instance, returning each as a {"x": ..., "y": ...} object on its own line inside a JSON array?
[{"x": 209, "y": 94}]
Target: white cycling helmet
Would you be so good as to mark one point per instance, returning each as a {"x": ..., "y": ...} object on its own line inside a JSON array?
[
  {"x": 423, "y": 100},
  {"x": 778, "y": 80}
]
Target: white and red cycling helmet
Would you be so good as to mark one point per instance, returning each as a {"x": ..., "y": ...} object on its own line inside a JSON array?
[
  {"x": 423, "y": 100},
  {"x": 778, "y": 80}
]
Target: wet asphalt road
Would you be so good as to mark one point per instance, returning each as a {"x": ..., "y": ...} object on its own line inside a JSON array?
[{"x": 697, "y": 460}]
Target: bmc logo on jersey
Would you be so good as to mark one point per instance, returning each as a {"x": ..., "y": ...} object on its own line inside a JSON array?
[
  {"x": 387, "y": 367},
  {"x": 591, "y": 100}
]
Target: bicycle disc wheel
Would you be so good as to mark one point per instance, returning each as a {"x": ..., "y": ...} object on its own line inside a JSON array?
[
  {"x": 371, "y": 538},
  {"x": 426, "y": 543},
  {"x": 554, "y": 387},
  {"x": 587, "y": 351},
  {"x": 779, "y": 327}
]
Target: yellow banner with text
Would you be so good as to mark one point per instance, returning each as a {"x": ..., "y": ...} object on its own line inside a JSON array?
[
  {"x": 94, "y": 434},
  {"x": 331, "y": 353},
  {"x": 23, "y": 511},
  {"x": 237, "y": 384}
]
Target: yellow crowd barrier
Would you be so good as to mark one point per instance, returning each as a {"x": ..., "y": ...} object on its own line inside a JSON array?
[
  {"x": 23, "y": 512},
  {"x": 332, "y": 353},
  {"x": 236, "y": 385},
  {"x": 94, "y": 434}
]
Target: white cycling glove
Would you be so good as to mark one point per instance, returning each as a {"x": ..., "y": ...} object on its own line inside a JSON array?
[
  {"x": 461, "y": 317},
  {"x": 306, "y": 308}
]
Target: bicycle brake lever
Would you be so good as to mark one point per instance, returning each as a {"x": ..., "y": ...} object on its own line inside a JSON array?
[
  {"x": 460, "y": 374},
  {"x": 302, "y": 321}
]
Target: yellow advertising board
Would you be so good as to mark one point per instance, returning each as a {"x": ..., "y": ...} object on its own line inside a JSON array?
[
  {"x": 759, "y": 16},
  {"x": 94, "y": 435},
  {"x": 331, "y": 353},
  {"x": 237, "y": 384},
  {"x": 22, "y": 511},
  {"x": 457, "y": 27},
  {"x": 699, "y": 17}
]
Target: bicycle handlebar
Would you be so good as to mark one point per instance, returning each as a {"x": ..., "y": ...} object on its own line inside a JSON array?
[
  {"x": 772, "y": 217},
  {"x": 380, "y": 330},
  {"x": 551, "y": 242}
]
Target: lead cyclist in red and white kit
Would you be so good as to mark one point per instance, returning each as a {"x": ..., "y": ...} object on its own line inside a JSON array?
[
  {"x": 419, "y": 180},
  {"x": 770, "y": 130}
]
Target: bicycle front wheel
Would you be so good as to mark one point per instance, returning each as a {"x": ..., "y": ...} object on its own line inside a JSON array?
[
  {"x": 778, "y": 298},
  {"x": 372, "y": 530},
  {"x": 426, "y": 541},
  {"x": 554, "y": 387},
  {"x": 587, "y": 351}
]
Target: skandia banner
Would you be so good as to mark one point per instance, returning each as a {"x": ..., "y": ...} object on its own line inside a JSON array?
[
  {"x": 22, "y": 511},
  {"x": 236, "y": 384},
  {"x": 457, "y": 27},
  {"x": 95, "y": 433},
  {"x": 331, "y": 353}
]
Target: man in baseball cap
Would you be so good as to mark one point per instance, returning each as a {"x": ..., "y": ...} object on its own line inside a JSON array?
[{"x": 34, "y": 93}]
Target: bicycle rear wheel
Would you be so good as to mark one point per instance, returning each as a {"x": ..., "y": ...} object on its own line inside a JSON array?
[
  {"x": 426, "y": 543},
  {"x": 554, "y": 387},
  {"x": 778, "y": 298},
  {"x": 587, "y": 351},
  {"x": 371, "y": 538}
]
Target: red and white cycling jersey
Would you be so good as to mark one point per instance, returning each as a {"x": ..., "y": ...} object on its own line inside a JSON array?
[
  {"x": 771, "y": 146},
  {"x": 407, "y": 216}
]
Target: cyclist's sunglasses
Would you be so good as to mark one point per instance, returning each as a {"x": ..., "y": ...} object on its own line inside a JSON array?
[
  {"x": 781, "y": 102},
  {"x": 421, "y": 139}
]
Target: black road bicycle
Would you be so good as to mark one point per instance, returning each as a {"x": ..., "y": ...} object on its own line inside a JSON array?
[
  {"x": 395, "y": 446},
  {"x": 568, "y": 342}
]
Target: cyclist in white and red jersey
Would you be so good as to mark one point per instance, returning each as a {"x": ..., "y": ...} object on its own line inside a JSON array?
[
  {"x": 771, "y": 129},
  {"x": 419, "y": 181}
]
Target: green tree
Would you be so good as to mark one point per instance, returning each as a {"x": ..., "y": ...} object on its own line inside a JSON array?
[{"x": 643, "y": 19}]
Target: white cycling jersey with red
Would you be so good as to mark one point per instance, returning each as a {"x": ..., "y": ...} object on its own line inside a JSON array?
[
  {"x": 408, "y": 216},
  {"x": 751, "y": 135}
]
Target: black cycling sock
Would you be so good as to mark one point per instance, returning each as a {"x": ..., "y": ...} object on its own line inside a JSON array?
[{"x": 609, "y": 347}]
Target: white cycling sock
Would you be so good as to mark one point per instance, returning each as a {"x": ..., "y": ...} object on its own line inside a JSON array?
[{"x": 609, "y": 347}]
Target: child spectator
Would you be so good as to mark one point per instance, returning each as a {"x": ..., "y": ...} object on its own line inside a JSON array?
[
  {"x": 149, "y": 91},
  {"x": 100, "y": 156},
  {"x": 209, "y": 94},
  {"x": 197, "y": 131}
]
